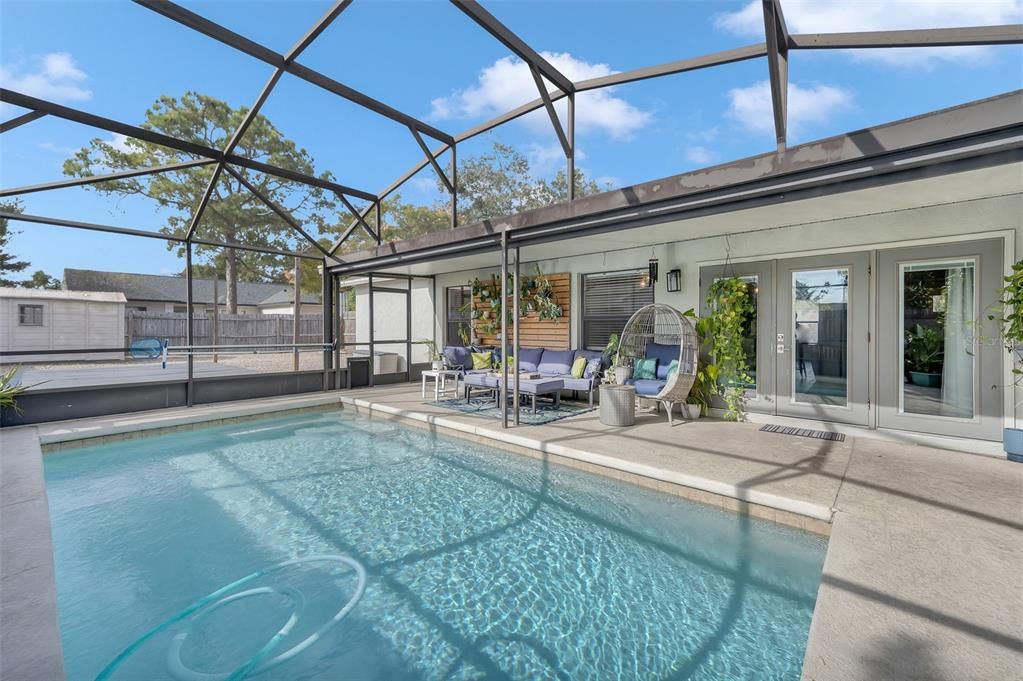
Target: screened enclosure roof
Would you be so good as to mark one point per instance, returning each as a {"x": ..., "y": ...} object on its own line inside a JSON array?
[{"x": 552, "y": 86}]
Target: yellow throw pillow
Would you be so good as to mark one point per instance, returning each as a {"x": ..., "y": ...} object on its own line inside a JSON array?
[
  {"x": 481, "y": 360},
  {"x": 578, "y": 367}
]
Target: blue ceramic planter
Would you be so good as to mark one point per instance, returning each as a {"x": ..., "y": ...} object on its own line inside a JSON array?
[{"x": 1012, "y": 439}]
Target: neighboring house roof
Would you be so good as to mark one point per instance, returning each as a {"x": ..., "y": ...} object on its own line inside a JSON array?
[
  {"x": 287, "y": 298},
  {"x": 171, "y": 289},
  {"x": 58, "y": 294}
]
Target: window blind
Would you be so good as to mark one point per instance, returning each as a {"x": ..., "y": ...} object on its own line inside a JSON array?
[{"x": 609, "y": 299}]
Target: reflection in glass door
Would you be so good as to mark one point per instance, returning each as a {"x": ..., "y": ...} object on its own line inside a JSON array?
[
  {"x": 820, "y": 326},
  {"x": 937, "y": 308}
]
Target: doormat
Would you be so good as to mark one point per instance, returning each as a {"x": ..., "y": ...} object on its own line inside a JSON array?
[{"x": 804, "y": 432}]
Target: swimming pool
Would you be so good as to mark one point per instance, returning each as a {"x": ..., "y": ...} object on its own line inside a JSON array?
[{"x": 478, "y": 563}]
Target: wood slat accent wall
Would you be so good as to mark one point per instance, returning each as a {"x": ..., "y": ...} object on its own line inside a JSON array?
[{"x": 534, "y": 333}]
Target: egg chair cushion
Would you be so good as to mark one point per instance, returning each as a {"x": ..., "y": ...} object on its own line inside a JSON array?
[
  {"x": 647, "y": 387},
  {"x": 663, "y": 354}
]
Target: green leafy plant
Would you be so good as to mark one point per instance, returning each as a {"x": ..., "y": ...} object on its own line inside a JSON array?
[
  {"x": 731, "y": 303},
  {"x": 9, "y": 390},
  {"x": 925, "y": 347},
  {"x": 611, "y": 353},
  {"x": 706, "y": 384},
  {"x": 536, "y": 294}
]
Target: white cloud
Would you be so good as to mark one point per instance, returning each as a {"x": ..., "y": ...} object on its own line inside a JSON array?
[
  {"x": 57, "y": 148},
  {"x": 704, "y": 136},
  {"x": 700, "y": 155},
  {"x": 751, "y": 106},
  {"x": 120, "y": 143},
  {"x": 53, "y": 76},
  {"x": 545, "y": 159},
  {"x": 424, "y": 184},
  {"x": 814, "y": 16},
  {"x": 508, "y": 83}
]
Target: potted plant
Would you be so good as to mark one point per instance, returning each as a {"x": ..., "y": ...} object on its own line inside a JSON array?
[
  {"x": 925, "y": 347},
  {"x": 705, "y": 384},
  {"x": 1009, "y": 314},
  {"x": 436, "y": 358}
]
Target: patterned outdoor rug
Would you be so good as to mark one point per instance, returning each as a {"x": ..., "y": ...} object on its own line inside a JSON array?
[{"x": 545, "y": 411}]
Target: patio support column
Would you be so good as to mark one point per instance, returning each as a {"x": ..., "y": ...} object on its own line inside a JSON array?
[
  {"x": 454, "y": 186},
  {"x": 380, "y": 225},
  {"x": 408, "y": 331},
  {"x": 503, "y": 392},
  {"x": 296, "y": 318},
  {"x": 188, "y": 320},
  {"x": 370, "y": 289},
  {"x": 571, "y": 154},
  {"x": 515, "y": 338},
  {"x": 327, "y": 301}
]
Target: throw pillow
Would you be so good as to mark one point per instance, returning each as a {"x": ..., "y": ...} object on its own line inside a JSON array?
[
  {"x": 672, "y": 368},
  {"x": 578, "y": 367},
  {"x": 645, "y": 368},
  {"x": 592, "y": 368},
  {"x": 481, "y": 360}
]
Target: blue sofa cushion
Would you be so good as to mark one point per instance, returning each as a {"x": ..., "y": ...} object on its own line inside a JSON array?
[
  {"x": 663, "y": 354},
  {"x": 555, "y": 362},
  {"x": 457, "y": 356},
  {"x": 647, "y": 387},
  {"x": 529, "y": 359}
]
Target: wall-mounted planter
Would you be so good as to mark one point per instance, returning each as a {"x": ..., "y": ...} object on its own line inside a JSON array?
[{"x": 1012, "y": 440}]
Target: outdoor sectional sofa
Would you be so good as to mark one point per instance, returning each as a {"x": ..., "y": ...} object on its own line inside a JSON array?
[{"x": 545, "y": 361}]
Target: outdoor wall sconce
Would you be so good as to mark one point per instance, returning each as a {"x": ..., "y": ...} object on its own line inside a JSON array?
[
  {"x": 652, "y": 271},
  {"x": 674, "y": 281}
]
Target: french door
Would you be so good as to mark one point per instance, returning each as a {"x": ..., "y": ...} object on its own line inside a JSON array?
[
  {"x": 808, "y": 345},
  {"x": 939, "y": 362},
  {"x": 821, "y": 350},
  {"x": 934, "y": 366}
]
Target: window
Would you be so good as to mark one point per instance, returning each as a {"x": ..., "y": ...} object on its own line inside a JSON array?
[
  {"x": 30, "y": 315},
  {"x": 609, "y": 299},
  {"x": 181, "y": 308},
  {"x": 136, "y": 308},
  {"x": 456, "y": 331}
]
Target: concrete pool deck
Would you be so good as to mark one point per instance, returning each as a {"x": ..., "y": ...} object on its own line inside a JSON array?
[{"x": 921, "y": 579}]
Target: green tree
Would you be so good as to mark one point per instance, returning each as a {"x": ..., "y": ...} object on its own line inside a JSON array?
[
  {"x": 40, "y": 279},
  {"x": 497, "y": 183},
  {"x": 234, "y": 215},
  {"x": 9, "y": 263}
]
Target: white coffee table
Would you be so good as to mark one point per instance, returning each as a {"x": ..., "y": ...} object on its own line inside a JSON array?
[{"x": 440, "y": 381}]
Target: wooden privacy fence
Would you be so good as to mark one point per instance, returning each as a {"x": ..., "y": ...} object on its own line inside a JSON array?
[{"x": 232, "y": 329}]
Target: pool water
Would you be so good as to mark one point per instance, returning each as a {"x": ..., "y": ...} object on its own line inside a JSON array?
[{"x": 479, "y": 564}]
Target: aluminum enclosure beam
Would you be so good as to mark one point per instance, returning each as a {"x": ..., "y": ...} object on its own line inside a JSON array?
[
  {"x": 21, "y": 120},
  {"x": 127, "y": 231},
  {"x": 228, "y": 37},
  {"x": 184, "y": 146},
  {"x": 514, "y": 43},
  {"x": 95, "y": 179},
  {"x": 778, "y": 64},
  {"x": 1011, "y": 34},
  {"x": 279, "y": 210}
]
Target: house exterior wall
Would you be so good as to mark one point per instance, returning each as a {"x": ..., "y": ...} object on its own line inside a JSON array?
[
  {"x": 67, "y": 324},
  {"x": 164, "y": 306},
  {"x": 1000, "y": 216}
]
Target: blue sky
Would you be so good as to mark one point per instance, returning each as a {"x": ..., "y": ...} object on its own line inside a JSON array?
[{"x": 428, "y": 59}]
